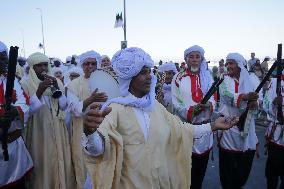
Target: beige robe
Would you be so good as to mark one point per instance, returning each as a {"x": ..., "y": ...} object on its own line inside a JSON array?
[
  {"x": 47, "y": 141},
  {"x": 130, "y": 162},
  {"x": 80, "y": 88}
]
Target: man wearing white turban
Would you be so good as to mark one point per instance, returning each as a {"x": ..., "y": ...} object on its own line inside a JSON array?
[
  {"x": 79, "y": 98},
  {"x": 274, "y": 136},
  {"x": 14, "y": 171},
  {"x": 57, "y": 72},
  {"x": 139, "y": 144},
  {"x": 237, "y": 149},
  {"x": 169, "y": 69},
  {"x": 188, "y": 89},
  {"x": 105, "y": 61},
  {"x": 46, "y": 134},
  {"x": 72, "y": 74}
]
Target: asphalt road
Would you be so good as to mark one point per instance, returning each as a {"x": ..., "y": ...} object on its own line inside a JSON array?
[{"x": 257, "y": 177}]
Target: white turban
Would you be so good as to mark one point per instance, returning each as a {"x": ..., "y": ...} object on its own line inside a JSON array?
[
  {"x": 90, "y": 54},
  {"x": 245, "y": 85},
  {"x": 57, "y": 69},
  {"x": 34, "y": 59},
  {"x": 105, "y": 56},
  {"x": 127, "y": 63},
  {"x": 77, "y": 70},
  {"x": 22, "y": 58},
  {"x": 3, "y": 48},
  {"x": 205, "y": 76},
  {"x": 168, "y": 66},
  {"x": 68, "y": 59}
]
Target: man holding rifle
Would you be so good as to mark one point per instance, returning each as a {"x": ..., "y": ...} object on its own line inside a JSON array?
[
  {"x": 237, "y": 148},
  {"x": 188, "y": 89},
  {"x": 273, "y": 105},
  {"x": 15, "y": 166}
]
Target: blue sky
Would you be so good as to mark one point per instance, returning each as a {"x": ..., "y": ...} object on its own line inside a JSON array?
[{"x": 163, "y": 28}]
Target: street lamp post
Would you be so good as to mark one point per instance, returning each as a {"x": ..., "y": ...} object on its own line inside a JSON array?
[
  {"x": 42, "y": 29},
  {"x": 23, "y": 42},
  {"x": 124, "y": 43}
]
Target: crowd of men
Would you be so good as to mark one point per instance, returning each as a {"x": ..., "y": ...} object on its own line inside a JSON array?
[{"x": 149, "y": 137}]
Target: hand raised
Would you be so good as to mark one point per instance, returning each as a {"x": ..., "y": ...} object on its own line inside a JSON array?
[
  {"x": 94, "y": 118},
  {"x": 98, "y": 96}
]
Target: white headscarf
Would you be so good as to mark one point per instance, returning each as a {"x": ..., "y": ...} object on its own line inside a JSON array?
[
  {"x": 168, "y": 66},
  {"x": 3, "y": 48},
  {"x": 22, "y": 58},
  {"x": 57, "y": 69},
  {"x": 105, "y": 56},
  {"x": 127, "y": 63},
  {"x": 205, "y": 76},
  {"x": 77, "y": 70},
  {"x": 90, "y": 54},
  {"x": 34, "y": 59},
  {"x": 245, "y": 85},
  {"x": 68, "y": 60}
]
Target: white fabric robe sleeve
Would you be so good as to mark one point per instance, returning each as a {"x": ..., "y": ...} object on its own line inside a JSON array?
[
  {"x": 94, "y": 145},
  {"x": 63, "y": 102},
  {"x": 74, "y": 104}
]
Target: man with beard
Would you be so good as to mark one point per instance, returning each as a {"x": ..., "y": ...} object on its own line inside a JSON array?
[
  {"x": 79, "y": 98},
  {"x": 139, "y": 144},
  {"x": 169, "y": 69},
  {"x": 46, "y": 134},
  {"x": 236, "y": 148},
  {"x": 188, "y": 89},
  {"x": 14, "y": 171}
]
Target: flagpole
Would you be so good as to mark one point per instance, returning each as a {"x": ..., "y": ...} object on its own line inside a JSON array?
[
  {"x": 124, "y": 28},
  {"x": 42, "y": 29}
]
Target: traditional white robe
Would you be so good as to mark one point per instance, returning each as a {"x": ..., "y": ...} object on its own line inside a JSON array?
[
  {"x": 133, "y": 159},
  {"x": 273, "y": 135},
  {"x": 167, "y": 100},
  {"x": 78, "y": 91},
  {"x": 47, "y": 141},
  {"x": 186, "y": 93},
  {"x": 232, "y": 105},
  {"x": 20, "y": 161}
]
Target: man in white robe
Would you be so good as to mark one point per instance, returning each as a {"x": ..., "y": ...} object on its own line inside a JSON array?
[
  {"x": 236, "y": 148},
  {"x": 274, "y": 136},
  {"x": 79, "y": 98},
  {"x": 139, "y": 144},
  {"x": 169, "y": 69},
  {"x": 13, "y": 171},
  {"x": 46, "y": 133},
  {"x": 188, "y": 89}
]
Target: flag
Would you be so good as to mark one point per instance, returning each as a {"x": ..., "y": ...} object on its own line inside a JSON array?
[
  {"x": 118, "y": 21},
  {"x": 40, "y": 46}
]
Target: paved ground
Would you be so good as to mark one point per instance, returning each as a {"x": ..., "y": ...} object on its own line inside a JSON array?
[{"x": 257, "y": 178}]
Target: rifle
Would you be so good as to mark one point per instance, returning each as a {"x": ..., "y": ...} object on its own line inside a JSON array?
[
  {"x": 13, "y": 55},
  {"x": 243, "y": 117},
  {"x": 212, "y": 90},
  {"x": 280, "y": 117}
]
